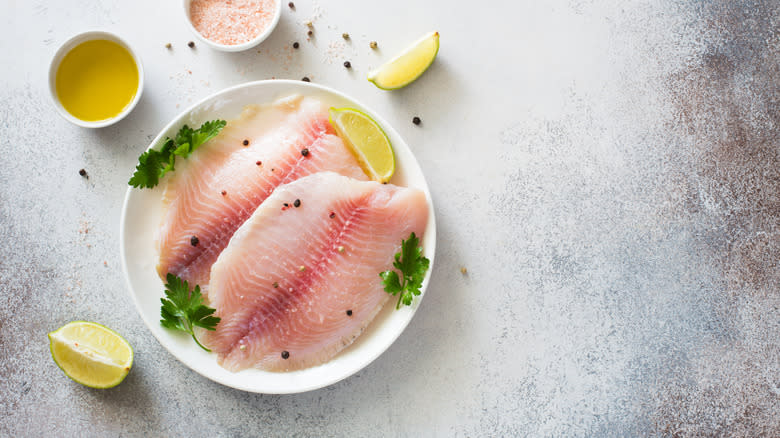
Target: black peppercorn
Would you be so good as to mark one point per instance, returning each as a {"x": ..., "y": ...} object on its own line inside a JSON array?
[
  {"x": 291, "y": 5},
  {"x": 349, "y": 312},
  {"x": 296, "y": 45},
  {"x": 194, "y": 241},
  {"x": 83, "y": 173},
  {"x": 285, "y": 354},
  {"x": 347, "y": 64},
  {"x": 306, "y": 79},
  {"x": 297, "y": 203},
  {"x": 191, "y": 44},
  {"x": 416, "y": 120},
  {"x": 245, "y": 142},
  {"x": 305, "y": 152}
]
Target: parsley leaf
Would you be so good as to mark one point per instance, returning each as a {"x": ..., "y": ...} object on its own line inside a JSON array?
[
  {"x": 413, "y": 266},
  {"x": 188, "y": 139},
  {"x": 183, "y": 310},
  {"x": 153, "y": 164}
]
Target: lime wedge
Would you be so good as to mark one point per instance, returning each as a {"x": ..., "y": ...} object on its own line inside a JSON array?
[
  {"x": 407, "y": 66},
  {"x": 91, "y": 354},
  {"x": 366, "y": 140}
]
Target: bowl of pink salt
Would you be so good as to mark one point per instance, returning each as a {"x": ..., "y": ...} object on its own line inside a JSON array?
[{"x": 232, "y": 25}]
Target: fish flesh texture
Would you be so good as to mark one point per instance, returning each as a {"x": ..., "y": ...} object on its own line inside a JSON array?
[
  {"x": 220, "y": 185},
  {"x": 299, "y": 280}
]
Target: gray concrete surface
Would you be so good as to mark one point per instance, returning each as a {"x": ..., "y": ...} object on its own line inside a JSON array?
[{"x": 607, "y": 171}]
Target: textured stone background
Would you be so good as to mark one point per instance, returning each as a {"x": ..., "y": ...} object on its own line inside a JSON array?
[{"x": 608, "y": 172}]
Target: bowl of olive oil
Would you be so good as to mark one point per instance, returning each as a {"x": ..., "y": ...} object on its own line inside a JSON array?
[{"x": 95, "y": 79}]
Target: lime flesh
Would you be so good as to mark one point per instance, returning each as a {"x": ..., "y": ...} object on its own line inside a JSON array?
[
  {"x": 91, "y": 354},
  {"x": 408, "y": 65},
  {"x": 367, "y": 142}
]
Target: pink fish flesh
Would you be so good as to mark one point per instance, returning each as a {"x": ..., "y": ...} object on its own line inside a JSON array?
[
  {"x": 296, "y": 285},
  {"x": 220, "y": 185}
]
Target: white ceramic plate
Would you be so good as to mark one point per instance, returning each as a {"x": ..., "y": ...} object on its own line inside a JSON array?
[{"x": 141, "y": 215}]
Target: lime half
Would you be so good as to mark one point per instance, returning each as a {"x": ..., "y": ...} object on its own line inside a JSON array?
[
  {"x": 91, "y": 354},
  {"x": 367, "y": 141},
  {"x": 408, "y": 65}
]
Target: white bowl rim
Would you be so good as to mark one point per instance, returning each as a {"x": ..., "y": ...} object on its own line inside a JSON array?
[
  {"x": 430, "y": 237},
  {"x": 65, "y": 48},
  {"x": 235, "y": 47}
]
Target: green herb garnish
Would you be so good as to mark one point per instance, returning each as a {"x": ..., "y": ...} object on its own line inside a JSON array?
[
  {"x": 183, "y": 310},
  {"x": 153, "y": 164},
  {"x": 413, "y": 266}
]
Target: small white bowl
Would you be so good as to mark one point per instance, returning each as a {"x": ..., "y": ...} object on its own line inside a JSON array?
[
  {"x": 234, "y": 47},
  {"x": 65, "y": 49}
]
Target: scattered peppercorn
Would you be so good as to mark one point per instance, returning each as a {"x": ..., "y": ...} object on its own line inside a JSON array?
[
  {"x": 347, "y": 64},
  {"x": 291, "y": 5},
  {"x": 305, "y": 152},
  {"x": 297, "y": 203},
  {"x": 306, "y": 79},
  {"x": 194, "y": 241},
  {"x": 258, "y": 162},
  {"x": 276, "y": 284},
  {"x": 416, "y": 120},
  {"x": 296, "y": 45},
  {"x": 332, "y": 215},
  {"x": 224, "y": 193},
  {"x": 349, "y": 312},
  {"x": 345, "y": 35},
  {"x": 372, "y": 44},
  {"x": 285, "y": 354},
  {"x": 245, "y": 142},
  {"x": 272, "y": 169},
  {"x": 310, "y": 32},
  {"x": 191, "y": 44},
  {"x": 83, "y": 173},
  {"x": 167, "y": 45}
]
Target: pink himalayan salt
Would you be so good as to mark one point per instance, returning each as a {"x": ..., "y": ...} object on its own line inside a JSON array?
[{"x": 231, "y": 22}]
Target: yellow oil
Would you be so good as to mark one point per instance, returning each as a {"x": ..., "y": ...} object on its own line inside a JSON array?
[{"x": 97, "y": 80}]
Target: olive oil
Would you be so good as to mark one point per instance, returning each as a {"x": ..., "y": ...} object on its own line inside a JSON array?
[{"x": 96, "y": 80}]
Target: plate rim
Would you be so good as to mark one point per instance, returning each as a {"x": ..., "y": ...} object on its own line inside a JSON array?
[{"x": 430, "y": 235}]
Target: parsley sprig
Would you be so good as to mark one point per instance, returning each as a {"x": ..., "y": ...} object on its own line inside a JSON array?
[
  {"x": 183, "y": 310},
  {"x": 413, "y": 266},
  {"x": 153, "y": 164}
]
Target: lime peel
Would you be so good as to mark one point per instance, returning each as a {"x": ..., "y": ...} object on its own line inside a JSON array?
[{"x": 409, "y": 65}]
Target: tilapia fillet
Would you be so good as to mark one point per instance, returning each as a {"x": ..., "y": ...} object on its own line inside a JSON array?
[
  {"x": 305, "y": 280},
  {"x": 220, "y": 185}
]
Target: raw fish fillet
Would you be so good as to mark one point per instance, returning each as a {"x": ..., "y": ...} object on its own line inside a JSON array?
[
  {"x": 220, "y": 185},
  {"x": 290, "y": 274}
]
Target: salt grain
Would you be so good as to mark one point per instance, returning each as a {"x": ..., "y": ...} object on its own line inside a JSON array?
[{"x": 231, "y": 23}]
